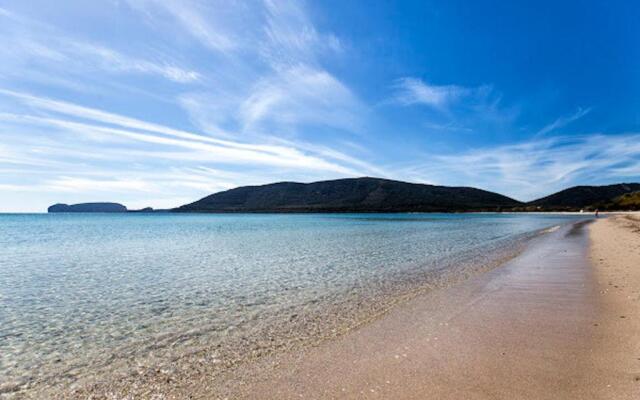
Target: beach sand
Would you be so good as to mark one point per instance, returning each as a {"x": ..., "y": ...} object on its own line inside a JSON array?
[
  {"x": 547, "y": 325},
  {"x": 615, "y": 255}
]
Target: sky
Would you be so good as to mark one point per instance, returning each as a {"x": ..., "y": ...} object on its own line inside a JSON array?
[{"x": 159, "y": 103}]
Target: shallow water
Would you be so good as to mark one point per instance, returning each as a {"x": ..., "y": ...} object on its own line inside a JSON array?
[{"x": 79, "y": 292}]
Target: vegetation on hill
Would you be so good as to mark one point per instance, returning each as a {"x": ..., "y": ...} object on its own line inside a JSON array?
[
  {"x": 351, "y": 195},
  {"x": 582, "y": 197},
  {"x": 626, "y": 202},
  {"x": 384, "y": 195}
]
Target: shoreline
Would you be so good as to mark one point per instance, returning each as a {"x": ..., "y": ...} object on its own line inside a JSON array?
[
  {"x": 524, "y": 330},
  {"x": 559, "y": 321},
  {"x": 136, "y": 377},
  {"x": 537, "y": 326},
  {"x": 165, "y": 212}
]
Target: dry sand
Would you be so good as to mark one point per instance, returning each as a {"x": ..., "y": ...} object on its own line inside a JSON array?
[
  {"x": 547, "y": 325},
  {"x": 615, "y": 255}
]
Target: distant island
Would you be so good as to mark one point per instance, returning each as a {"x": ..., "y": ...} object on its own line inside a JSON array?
[
  {"x": 88, "y": 207},
  {"x": 384, "y": 195}
]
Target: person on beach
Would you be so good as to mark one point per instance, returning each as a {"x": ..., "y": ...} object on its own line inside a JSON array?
[{"x": 597, "y": 212}]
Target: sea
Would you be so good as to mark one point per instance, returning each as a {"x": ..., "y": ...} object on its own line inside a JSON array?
[{"x": 89, "y": 295}]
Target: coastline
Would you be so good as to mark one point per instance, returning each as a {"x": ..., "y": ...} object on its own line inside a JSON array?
[
  {"x": 548, "y": 324},
  {"x": 536, "y": 327},
  {"x": 524, "y": 330}
]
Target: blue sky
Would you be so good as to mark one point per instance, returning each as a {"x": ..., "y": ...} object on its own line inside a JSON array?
[{"x": 158, "y": 103}]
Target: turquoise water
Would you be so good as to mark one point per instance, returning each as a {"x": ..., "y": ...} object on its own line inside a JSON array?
[{"x": 81, "y": 292}]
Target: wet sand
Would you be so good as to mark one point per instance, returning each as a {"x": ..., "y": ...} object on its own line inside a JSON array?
[{"x": 546, "y": 325}]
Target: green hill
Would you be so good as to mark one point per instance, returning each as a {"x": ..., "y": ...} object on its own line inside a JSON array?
[
  {"x": 628, "y": 201},
  {"x": 583, "y": 197}
]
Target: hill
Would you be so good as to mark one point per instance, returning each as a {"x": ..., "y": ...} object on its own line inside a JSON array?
[
  {"x": 628, "y": 201},
  {"x": 87, "y": 207},
  {"x": 350, "y": 195},
  {"x": 579, "y": 197}
]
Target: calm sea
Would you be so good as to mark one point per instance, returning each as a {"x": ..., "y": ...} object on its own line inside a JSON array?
[{"x": 80, "y": 293}]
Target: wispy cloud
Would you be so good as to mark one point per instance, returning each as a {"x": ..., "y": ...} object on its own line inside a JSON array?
[
  {"x": 220, "y": 151},
  {"x": 268, "y": 155},
  {"x": 258, "y": 99},
  {"x": 75, "y": 184},
  {"x": 274, "y": 56},
  {"x": 34, "y": 45},
  {"x": 301, "y": 95},
  {"x": 292, "y": 38},
  {"x": 111, "y": 60},
  {"x": 206, "y": 22},
  {"x": 564, "y": 121},
  {"x": 108, "y": 140},
  {"x": 537, "y": 167},
  {"x": 410, "y": 91},
  {"x": 450, "y": 108},
  {"x": 285, "y": 103}
]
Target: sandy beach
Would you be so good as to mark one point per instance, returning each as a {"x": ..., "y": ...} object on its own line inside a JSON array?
[
  {"x": 615, "y": 256},
  {"x": 560, "y": 321}
]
